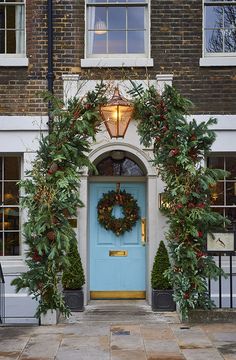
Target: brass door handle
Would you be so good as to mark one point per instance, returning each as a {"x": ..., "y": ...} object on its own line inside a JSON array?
[{"x": 143, "y": 231}]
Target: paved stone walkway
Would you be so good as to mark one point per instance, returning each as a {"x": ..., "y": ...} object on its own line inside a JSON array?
[{"x": 119, "y": 331}]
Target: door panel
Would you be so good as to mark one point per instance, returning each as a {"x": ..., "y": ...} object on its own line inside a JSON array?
[{"x": 116, "y": 273}]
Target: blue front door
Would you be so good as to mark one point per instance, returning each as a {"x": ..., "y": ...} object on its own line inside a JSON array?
[{"x": 116, "y": 274}]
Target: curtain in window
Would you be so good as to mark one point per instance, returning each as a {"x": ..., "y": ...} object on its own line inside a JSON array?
[
  {"x": 20, "y": 29},
  {"x": 91, "y": 21}
]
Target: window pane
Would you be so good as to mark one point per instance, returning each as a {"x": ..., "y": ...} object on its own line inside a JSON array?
[
  {"x": 135, "y": 17},
  {"x": 116, "y": 18},
  {"x": 1, "y": 186},
  {"x": 130, "y": 168},
  {"x": 11, "y": 193},
  {"x": 1, "y": 244},
  {"x": 105, "y": 167},
  {"x": 10, "y": 12},
  {"x": 136, "y": 42},
  {"x": 231, "y": 167},
  {"x": 230, "y": 213},
  {"x": 217, "y": 194},
  {"x": 12, "y": 168},
  {"x": 230, "y": 40},
  {"x": 97, "y": 43},
  {"x": 230, "y": 193},
  {"x": 0, "y": 168},
  {"x": 96, "y": 15},
  {"x": 12, "y": 244},
  {"x": 229, "y": 16},
  {"x": 2, "y": 42},
  {"x": 1, "y": 219},
  {"x": 214, "y": 41},
  {"x": 116, "y": 42},
  {"x": 216, "y": 162},
  {"x": 213, "y": 17},
  {"x": 11, "y": 219},
  {"x": 2, "y": 17},
  {"x": 11, "y": 42}
]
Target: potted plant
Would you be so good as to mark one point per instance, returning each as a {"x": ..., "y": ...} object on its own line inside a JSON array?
[
  {"x": 73, "y": 280},
  {"x": 162, "y": 292}
]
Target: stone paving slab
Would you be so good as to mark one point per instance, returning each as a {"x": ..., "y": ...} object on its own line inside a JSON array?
[
  {"x": 165, "y": 356},
  {"x": 202, "y": 354},
  {"x": 43, "y": 346},
  {"x": 103, "y": 337}
]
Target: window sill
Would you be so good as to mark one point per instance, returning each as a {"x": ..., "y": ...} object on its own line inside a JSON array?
[
  {"x": 103, "y": 63},
  {"x": 13, "y": 61},
  {"x": 218, "y": 61}
]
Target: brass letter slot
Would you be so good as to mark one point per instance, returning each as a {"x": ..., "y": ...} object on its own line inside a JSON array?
[{"x": 118, "y": 253}]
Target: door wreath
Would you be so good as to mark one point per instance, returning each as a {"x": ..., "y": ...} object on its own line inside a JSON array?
[{"x": 130, "y": 211}]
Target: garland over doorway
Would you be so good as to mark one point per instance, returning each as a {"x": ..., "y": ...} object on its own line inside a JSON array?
[{"x": 179, "y": 149}]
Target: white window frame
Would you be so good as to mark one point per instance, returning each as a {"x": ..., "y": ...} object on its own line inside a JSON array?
[
  {"x": 15, "y": 59},
  {"x": 9, "y": 257},
  {"x": 224, "y": 181},
  {"x": 119, "y": 60},
  {"x": 214, "y": 59}
]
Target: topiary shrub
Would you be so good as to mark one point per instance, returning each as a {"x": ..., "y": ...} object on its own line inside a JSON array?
[
  {"x": 160, "y": 265},
  {"x": 73, "y": 275}
]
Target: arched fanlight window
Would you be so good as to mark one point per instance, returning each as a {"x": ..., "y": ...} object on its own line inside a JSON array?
[{"x": 115, "y": 166}]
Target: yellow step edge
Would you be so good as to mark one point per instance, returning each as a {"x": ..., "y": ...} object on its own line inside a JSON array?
[{"x": 117, "y": 295}]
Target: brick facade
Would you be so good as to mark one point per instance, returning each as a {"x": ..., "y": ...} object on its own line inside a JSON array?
[{"x": 176, "y": 47}]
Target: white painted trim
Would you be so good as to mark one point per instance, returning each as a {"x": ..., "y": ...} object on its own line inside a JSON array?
[
  {"x": 23, "y": 123},
  {"x": 70, "y": 77},
  {"x": 162, "y": 80},
  {"x": 224, "y": 122},
  {"x": 217, "y": 61},
  {"x": 99, "y": 63},
  {"x": 13, "y": 61}
]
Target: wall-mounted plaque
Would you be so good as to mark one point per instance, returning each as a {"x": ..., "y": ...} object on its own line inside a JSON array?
[{"x": 221, "y": 242}]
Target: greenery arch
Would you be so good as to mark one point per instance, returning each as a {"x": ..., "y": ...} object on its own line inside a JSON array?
[{"x": 51, "y": 191}]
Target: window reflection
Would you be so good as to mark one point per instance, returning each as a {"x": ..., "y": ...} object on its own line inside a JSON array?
[{"x": 220, "y": 27}]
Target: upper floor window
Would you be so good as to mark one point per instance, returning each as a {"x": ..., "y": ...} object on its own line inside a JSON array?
[
  {"x": 117, "y": 28},
  {"x": 12, "y": 27},
  {"x": 220, "y": 27},
  {"x": 10, "y": 173}
]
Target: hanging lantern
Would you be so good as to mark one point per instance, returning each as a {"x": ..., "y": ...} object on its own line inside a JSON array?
[{"x": 117, "y": 113}]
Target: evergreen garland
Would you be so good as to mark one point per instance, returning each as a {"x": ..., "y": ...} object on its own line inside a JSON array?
[
  {"x": 179, "y": 149},
  {"x": 52, "y": 196}
]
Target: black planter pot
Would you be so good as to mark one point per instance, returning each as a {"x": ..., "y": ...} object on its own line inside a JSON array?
[
  {"x": 162, "y": 300},
  {"x": 74, "y": 299}
]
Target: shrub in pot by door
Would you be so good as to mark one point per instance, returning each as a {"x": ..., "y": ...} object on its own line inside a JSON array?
[
  {"x": 73, "y": 280},
  {"x": 162, "y": 292}
]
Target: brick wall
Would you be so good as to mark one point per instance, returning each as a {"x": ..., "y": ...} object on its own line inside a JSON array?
[{"x": 176, "y": 48}]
